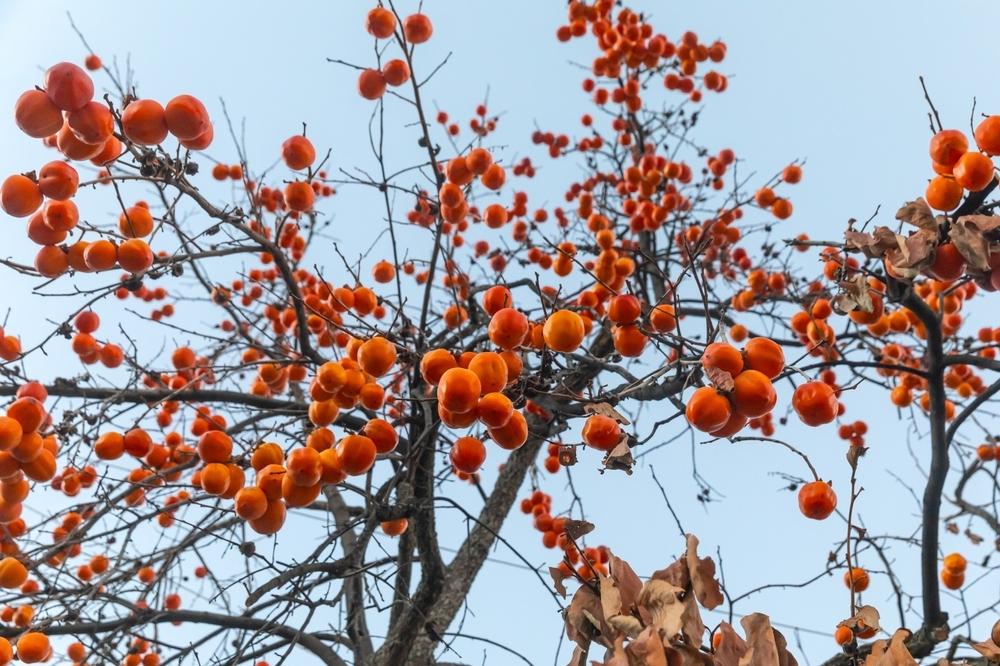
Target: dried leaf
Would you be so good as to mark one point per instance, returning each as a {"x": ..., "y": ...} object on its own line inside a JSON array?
[
  {"x": 647, "y": 649},
  {"x": 919, "y": 214},
  {"x": 971, "y": 244},
  {"x": 762, "y": 643},
  {"x": 676, "y": 574},
  {"x": 988, "y": 649},
  {"x": 567, "y": 456},
  {"x": 982, "y": 223},
  {"x": 604, "y": 409},
  {"x": 872, "y": 245},
  {"x": 580, "y": 625},
  {"x": 578, "y": 654},
  {"x": 577, "y": 528},
  {"x": 620, "y": 457},
  {"x": 854, "y": 295},
  {"x": 730, "y": 648},
  {"x": 914, "y": 253},
  {"x": 693, "y": 626},
  {"x": 892, "y": 652},
  {"x": 628, "y": 583},
  {"x": 854, "y": 454},
  {"x": 720, "y": 379},
  {"x": 665, "y": 608},
  {"x": 625, "y": 624},
  {"x": 702, "y": 572},
  {"x": 973, "y": 537},
  {"x": 558, "y": 576},
  {"x": 951, "y": 527},
  {"x": 611, "y": 598},
  {"x": 683, "y": 654},
  {"x": 866, "y": 617}
]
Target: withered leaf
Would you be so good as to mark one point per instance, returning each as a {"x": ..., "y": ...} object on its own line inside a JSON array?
[
  {"x": 854, "y": 295},
  {"x": 892, "y": 652},
  {"x": 567, "y": 456},
  {"x": 683, "y": 654},
  {"x": 577, "y": 528},
  {"x": 647, "y": 649},
  {"x": 702, "y": 572},
  {"x": 973, "y": 537},
  {"x": 866, "y": 617},
  {"x": 951, "y": 527},
  {"x": 988, "y": 649},
  {"x": 765, "y": 645},
  {"x": 578, "y": 654},
  {"x": 872, "y": 245},
  {"x": 620, "y": 457},
  {"x": 582, "y": 623},
  {"x": 971, "y": 244},
  {"x": 917, "y": 213},
  {"x": 628, "y": 583},
  {"x": 611, "y": 598},
  {"x": 720, "y": 379},
  {"x": 730, "y": 648},
  {"x": 914, "y": 253},
  {"x": 625, "y": 624},
  {"x": 558, "y": 576},
  {"x": 666, "y": 610},
  {"x": 693, "y": 626},
  {"x": 618, "y": 656},
  {"x": 604, "y": 409},
  {"x": 854, "y": 453},
  {"x": 983, "y": 223},
  {"x": 676, "y": 574}
]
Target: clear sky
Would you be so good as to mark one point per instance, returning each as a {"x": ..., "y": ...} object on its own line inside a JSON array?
[{"x": 832, "y": 83}]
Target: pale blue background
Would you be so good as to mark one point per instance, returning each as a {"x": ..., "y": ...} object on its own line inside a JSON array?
[{"x": 834, "y": 83}]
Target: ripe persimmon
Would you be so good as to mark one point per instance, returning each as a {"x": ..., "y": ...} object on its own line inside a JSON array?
[
  {"x": 435, "y": 363},
  {"x": 564, "y": 331},
  {"x": 394, "y": 527},
  {"x": 37, "y": 115},
  {"x": 92, "y": 123},
  {"x": 491, "y": 370},
  {"x": 815, "y": 403},
  {"x": 58, "y": 180},
  {"x": 68, "y": 86},
  {"x": 467, "y": 454},
  {"x": 722, "y": 356},
  {"x": 817, "y": 500},
  {"x": 187, "y": 118},
  {"x": 943, "y": 193},
  {"x": 947, "y": 146},
  {"x": 417, "y": 28},
  {"x": 973, "y": 171},
  {"x": 459, "y": 390},
  {"x": 396, "y": 72},
  {"x": 508, "y": 328},
  {"x": 753, "y": 394},
  {"x": 708, "y": 410},
  {"x": 380, "y": 23},
  {"x": 764, "y": 355},
  {"x": 601, "y": 432},
  {"x": 376, "y": 356},
  {"x": 857, "y": 579},
  {"x": 371, "y": 84},
  {"x": 144, "y": 122},
  {"x": 512, "y": 434},
  {"x": 20, "y": 196},
  {"x": 494, "y": 410},
  {"x": 33, "y": 647},
  {"x": 949, "y": 264},
  {"x": 356, "y": 454}
]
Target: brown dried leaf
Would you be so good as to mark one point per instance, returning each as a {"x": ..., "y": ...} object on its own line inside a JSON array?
[
  {"x": 558, "y": 576},
  {"x": 995, "y": 633},
  {"x": 765, "y": 645},
  {"x": 620, "y": 457},
  {"x": 628, "y": 583},
  {"x": 702, "y": 572},
  {"x": 676, "y": 574},
  {"x": 914, "y": 253},
  {"x": 567, "y": 456},
  {"x": 578, "y": 654},
  {"x": 665, "y": 608},
  {"x": 582, "y": 617},
  {"x": 618, "y": 656},
  {"x": 854, "y": 454},
  {"x": 604, "y": 409},
  {"x": 951, "y": 527},
  {"x": 983, "y": 223},
  {"x": 625, "y": 624},
  {"x": 683, "y": 654},
  {"x": 730, "y": 648},
  {"x": 919, "y": 214},
  {"x": 872, "y": 245},
  {"x": 867, "y": 616},
  {"x": 971, "y": 244},
  {"x": 647, "y": 649},
  {"x": 988, "y": 649},
  {"x": 720, "y": 379},
  {"x": 693, "y": 626},
  {"x": 892, "y": 652},
  {"x": 611, "y": 598},
  {"x": 973, "y": 537},
  {"x": 854, "y": 295},
  {"x": 577, "y": 528}
]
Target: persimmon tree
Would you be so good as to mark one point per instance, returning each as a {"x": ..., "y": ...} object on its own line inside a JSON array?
[{"x": 278, "y": 388}]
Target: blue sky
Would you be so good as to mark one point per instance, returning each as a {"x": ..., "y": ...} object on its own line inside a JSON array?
[{"x": 834, "y": 84}]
